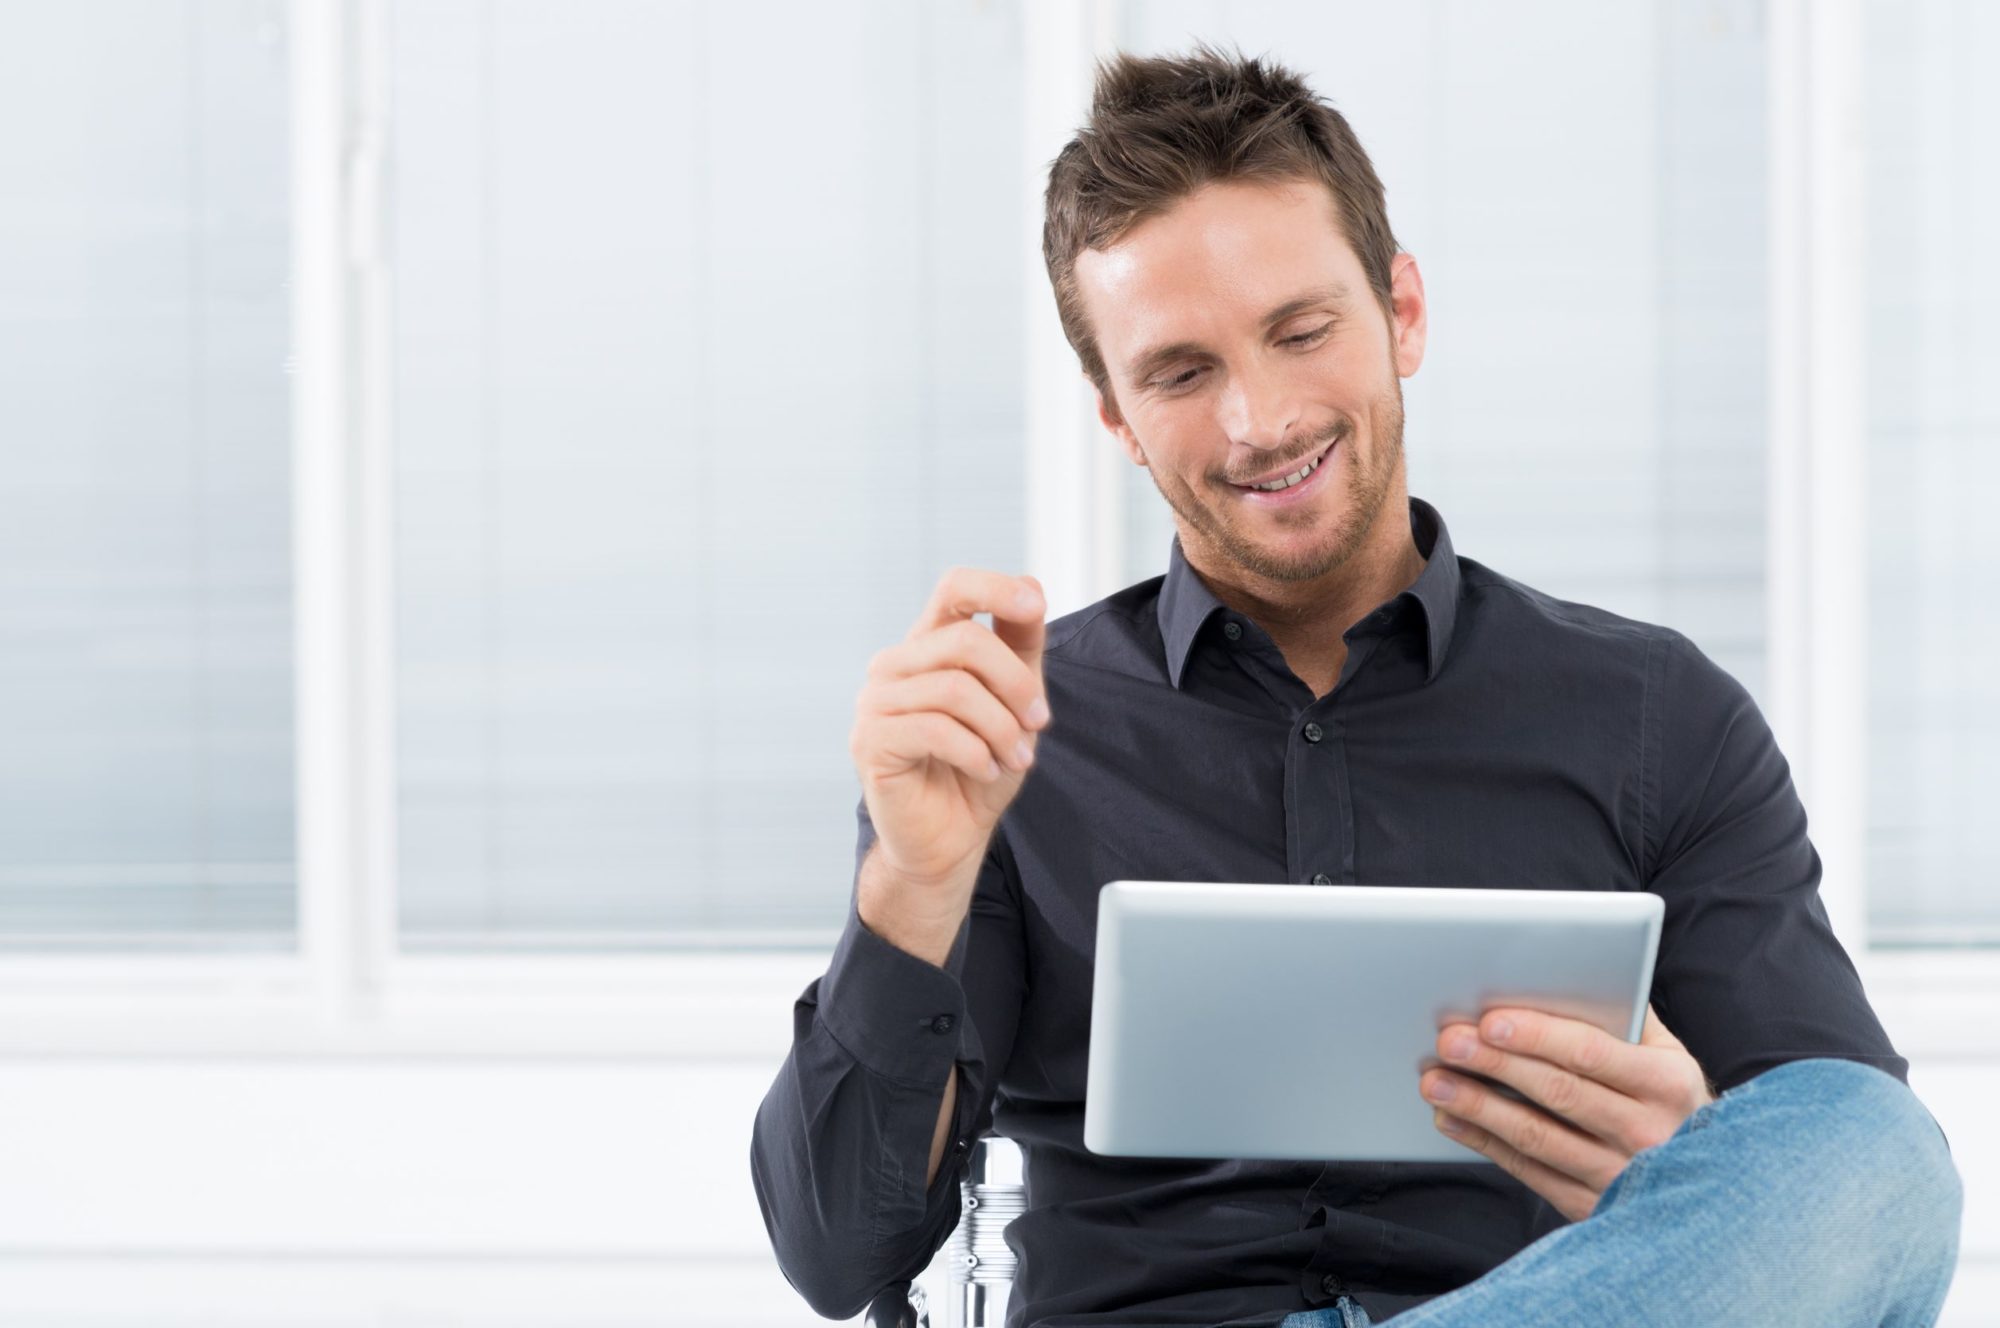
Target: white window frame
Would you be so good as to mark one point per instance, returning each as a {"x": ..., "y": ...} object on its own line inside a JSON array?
[
  {"x": 1935, "y": 1003},
  {"x": 351, "y": 991}
]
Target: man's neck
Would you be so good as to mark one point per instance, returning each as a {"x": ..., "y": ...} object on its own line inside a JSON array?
[{"x": 1308, "y": 620}]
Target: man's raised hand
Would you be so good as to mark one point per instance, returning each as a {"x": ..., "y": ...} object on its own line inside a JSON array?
[{"x": 946, "y": 725}]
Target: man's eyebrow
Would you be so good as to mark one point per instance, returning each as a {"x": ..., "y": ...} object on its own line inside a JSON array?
[{"x": 1156, "y": 356}]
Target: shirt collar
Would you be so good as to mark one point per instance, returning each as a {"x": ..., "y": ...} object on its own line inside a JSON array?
[{"x": 1186, "y": 602}]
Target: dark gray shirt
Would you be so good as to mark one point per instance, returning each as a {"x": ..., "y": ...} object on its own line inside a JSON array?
[{"x": 1482, "y": 733}]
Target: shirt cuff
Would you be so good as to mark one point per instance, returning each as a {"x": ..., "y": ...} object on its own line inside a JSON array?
[{"x": 900, "y": 1016}]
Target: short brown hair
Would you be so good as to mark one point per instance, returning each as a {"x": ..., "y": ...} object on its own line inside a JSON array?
[{"x": 1161, "y": 127}]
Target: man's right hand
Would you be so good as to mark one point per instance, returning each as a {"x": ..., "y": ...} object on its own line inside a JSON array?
[{"x": 945, "y": 731}]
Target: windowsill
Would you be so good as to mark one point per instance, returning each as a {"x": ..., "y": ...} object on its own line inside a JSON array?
[
  {"x": 1938, "y": 1005},
  {"x": 684, "y": 1007}
]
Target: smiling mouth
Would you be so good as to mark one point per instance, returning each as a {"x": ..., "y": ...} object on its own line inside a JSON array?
[{"x": 1293, "y": 478}]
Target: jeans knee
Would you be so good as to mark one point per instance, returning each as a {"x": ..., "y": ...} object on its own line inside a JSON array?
[{"x": 1880, "y": 1136}]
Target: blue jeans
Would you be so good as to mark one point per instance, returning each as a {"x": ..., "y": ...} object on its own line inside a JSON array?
[{"x": 1819, "y": 1193}]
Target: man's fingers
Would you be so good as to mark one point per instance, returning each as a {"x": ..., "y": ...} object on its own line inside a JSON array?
[
  {"x": 964, "y": 591},
  {"x": 1604, "y": 1111},
  {"x": 1630, "y": 1096},
  {"x": 1018, "y": 606},
  {"x": 1573, "y": 1199},
  {"x": 1657, "y": 1034},
  {"x": 962, "y": 696},
  {"x": 1531, "y": 1132},
  {"x": 907, "y": 741},
  {"x": 1025, "y": 632},
  {"x": 1581, "y": 1048},
  {"x": 973, "y": 647}
]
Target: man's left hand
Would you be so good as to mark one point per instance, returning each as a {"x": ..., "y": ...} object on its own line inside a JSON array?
[{"x": 1610, "y": 1098}]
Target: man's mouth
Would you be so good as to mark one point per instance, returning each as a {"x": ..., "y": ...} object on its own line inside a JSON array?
[{"x": 1284, "y": 481}]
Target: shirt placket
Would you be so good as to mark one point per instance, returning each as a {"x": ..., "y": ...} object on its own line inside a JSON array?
[
  {"x": 1319, "y": 804},
  {"x": 1319, "y": 823}
]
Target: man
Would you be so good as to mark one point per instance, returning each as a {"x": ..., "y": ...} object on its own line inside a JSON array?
[{"x": 1320, "y": 691}]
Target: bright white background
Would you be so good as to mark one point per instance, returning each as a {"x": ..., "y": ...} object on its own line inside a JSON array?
[{"x": 426, "y": 791}]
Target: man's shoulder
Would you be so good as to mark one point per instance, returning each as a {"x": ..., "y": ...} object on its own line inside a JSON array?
[
  {"x": 1529, "y": 615},
  {"x": 1565, "y": 639}
]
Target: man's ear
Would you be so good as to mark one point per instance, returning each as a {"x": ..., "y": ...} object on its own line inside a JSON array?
[
  {"x": 1410, "y": 327},
  {"x": 1114, "y": 424}
]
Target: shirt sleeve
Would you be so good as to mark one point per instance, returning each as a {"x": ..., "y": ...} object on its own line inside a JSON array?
[
  {"x": 842, "y": 1138},
  {"x": 1749, "y": 974}
]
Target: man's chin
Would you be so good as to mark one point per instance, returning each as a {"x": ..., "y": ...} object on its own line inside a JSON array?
[{"x": 1302, "y": 555}]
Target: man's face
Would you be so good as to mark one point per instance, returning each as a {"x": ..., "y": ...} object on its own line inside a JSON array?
[{"x": 1242, "y": 341}]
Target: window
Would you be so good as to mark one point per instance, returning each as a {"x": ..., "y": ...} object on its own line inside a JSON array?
[
  {"x": 1933, "y": 471},
  {"x": 681, "y": 412},
  {"x": 145, "y": 549},
  {"x": 704, "y": 368}
]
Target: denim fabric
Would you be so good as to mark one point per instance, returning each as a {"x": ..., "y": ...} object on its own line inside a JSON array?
[{"x": 1819, "y": 1193}]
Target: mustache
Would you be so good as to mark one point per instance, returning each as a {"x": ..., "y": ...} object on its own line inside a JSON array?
[{"x": 1313, "y": 449}]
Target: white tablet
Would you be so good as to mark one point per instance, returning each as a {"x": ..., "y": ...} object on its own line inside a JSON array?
[{"x": 1293, "y": 1021}]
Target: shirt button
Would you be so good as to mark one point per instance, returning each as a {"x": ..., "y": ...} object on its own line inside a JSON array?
[
  {"x": 1233, "y": 631},
  {"x": 1321, "y": 878},
  {"x": 1314, "y": 733},
  {"x": 941, "y": 1024},
  {"x": 963, "y": 1145},
  {"x": 1332, "y": 1285}
]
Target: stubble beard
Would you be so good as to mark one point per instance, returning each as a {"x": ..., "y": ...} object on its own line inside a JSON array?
[{"x": 1370, "y": 475}]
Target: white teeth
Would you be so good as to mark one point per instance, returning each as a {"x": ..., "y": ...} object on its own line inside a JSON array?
[{"x": 1291, "y": 479}]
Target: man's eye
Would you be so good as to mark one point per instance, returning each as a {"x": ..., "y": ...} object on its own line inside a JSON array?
[{"x": 1187, "y": 376}]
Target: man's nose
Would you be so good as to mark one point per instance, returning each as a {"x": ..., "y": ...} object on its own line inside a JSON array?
[{"x": 1259, "y": 407}]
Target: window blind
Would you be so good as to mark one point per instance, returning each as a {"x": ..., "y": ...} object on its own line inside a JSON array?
[
  {"x": 145, "y": 567},
  {"x": 708, "y": 355},
  {"x": 1933, "y": 455}
]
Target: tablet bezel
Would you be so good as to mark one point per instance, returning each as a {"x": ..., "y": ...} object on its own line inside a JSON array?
[{"x": 1591, "y": 952}]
